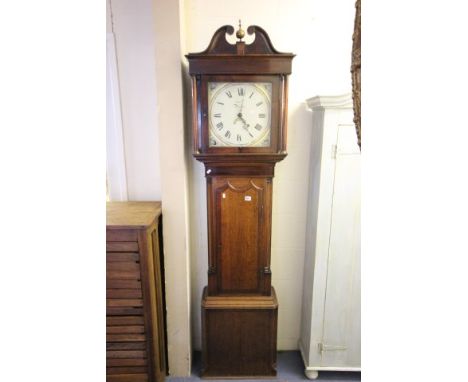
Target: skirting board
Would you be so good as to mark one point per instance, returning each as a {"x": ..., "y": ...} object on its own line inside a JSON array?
[{"x": 311, "y": 372}]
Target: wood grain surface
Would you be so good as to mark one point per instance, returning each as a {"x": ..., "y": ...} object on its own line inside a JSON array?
[
  {"x": 135, "y": 323},
  {"x": 239, "y": 336},
  {"x": 132, "y": 214}
]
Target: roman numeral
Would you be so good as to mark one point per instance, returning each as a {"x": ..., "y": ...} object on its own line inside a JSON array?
[
  {"x": 229, "y": 94},
  {"x": 218, "y": 115},
  {"x": 228, "y": 134},
  {"x": 258, "y": 127},
  {"x": 251, "y": 95},
  {"x": 239, "y": 138},
  {"x": 240, "y": 91},
  {"x": 259, "y": 103},
  {"x": 220, "y": 103},
  {"x": 261, "y": 115},
  {"x": 219, "y": 125}
]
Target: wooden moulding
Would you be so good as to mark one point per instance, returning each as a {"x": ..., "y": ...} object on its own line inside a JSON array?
[
  {"x": 241, "y": 65},
  {"x": 239, "y": 302},
  {"x": 240, "y": 165},
  {"x": 258, "y": 57}
]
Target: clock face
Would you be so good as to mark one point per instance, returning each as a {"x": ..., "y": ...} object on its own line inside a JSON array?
[{"x": 239, "y": 114}]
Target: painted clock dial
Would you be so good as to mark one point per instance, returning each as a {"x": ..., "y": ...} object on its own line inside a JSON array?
[{"x": 239, "y": 114}]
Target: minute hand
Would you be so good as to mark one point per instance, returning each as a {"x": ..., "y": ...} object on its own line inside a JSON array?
[{"x": 245, "y": 125}]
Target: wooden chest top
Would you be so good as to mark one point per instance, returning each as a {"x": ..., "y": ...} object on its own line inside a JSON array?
[{"x": 132, "y": 214}]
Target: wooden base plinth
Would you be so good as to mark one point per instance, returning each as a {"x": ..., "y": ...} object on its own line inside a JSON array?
[{"x": 239, "y": 336}]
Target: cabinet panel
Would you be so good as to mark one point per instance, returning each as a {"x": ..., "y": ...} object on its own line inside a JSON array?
[
  {"x": 239, "y": 337},
  {"x": 341, "y": 332},
  {"x": 121, "y": 235},
  {"x": 239, "y": 215},
  {"x": 240, "y": 243}
]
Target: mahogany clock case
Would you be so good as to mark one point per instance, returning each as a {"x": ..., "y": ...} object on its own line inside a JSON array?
[{"x": 239, "y": 306}]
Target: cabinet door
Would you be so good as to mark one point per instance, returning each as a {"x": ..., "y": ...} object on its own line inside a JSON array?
[
  {"x": 341, "y": 332},
  {"x": 240, "y": 220}
]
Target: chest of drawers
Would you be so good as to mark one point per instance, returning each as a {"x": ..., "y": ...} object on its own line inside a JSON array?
[{"x": 135, "y": 314}]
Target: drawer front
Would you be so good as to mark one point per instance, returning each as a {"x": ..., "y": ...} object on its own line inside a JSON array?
[
  {"x": 127, "y": 378},
  {"x": 126, "y": 347},
  {"x": 121, "y": 235},
  {"x": 122, "y": 246}
]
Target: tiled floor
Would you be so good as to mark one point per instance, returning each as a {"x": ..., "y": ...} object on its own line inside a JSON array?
[{"x": 290, "y": 368}]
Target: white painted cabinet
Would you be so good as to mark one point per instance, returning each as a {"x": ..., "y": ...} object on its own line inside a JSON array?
[{"x": 331, "y": 308}]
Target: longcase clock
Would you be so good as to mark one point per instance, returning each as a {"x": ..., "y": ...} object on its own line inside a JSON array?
[{"x": 239, "y": 95}]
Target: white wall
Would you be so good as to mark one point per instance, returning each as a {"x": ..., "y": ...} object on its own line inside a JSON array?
[
  {"x": 319, "y": 32},
  {"x": 147, "y": 37},
  {"x": 133, "y": 27}
]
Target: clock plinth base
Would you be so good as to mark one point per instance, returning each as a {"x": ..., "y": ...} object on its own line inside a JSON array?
[{"x": 239, "y": 336}]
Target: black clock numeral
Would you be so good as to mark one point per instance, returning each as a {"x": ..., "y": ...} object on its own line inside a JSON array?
[
  {"x": 240, "y": 91},
  {"x": 218, "y": 115},
  {"x": 219, "y": 125},
  {"x": 261, "y": 115},
  {"x": 258, "y": 126},
  {"x": 239, "y": 138},
  {"x": 229, "y": 94},
  {"x": 259, "y": 103},
  {"x": 251, "y": 95},
  {"x": 228, "y": 134},
  {"x": 220, "y": 103}
]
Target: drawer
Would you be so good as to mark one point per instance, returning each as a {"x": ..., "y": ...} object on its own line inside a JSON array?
[
  {"x": 126, "y": 362},
  {"x": 135, "y": 329},
  {"x": 123, "y": 284},
  {"x": 125, "y": 337},
  {"x": 121, "y": 235},
  {"x": 139, "y": 354},
  {"x": 123, "y": 311},
  {"x": 122, "y": 246},
  {"x": 127, "y": 378},
  {"x": 125, "y": 346},
  {"x": 117, "y": 257},
  {"x": 123, "y": 293},
  {"x": 127, "y": 370},
  {"x": 122, "y": 266},
  {"x": 131, "y": 363}
]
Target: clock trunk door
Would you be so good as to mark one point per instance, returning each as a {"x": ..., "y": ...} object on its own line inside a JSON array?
[{"x": 242, "y": 241}]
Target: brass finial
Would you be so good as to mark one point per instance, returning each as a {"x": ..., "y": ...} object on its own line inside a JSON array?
[{"x": 240, "y": 33}]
